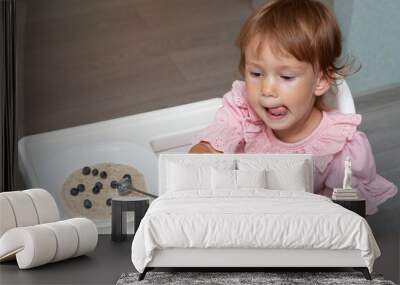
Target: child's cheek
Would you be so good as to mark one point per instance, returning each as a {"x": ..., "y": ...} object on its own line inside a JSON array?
[{"x": 253, "y": 91}]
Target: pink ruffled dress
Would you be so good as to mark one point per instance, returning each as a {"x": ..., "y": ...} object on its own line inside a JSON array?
[{"x": 238, "y": 129}]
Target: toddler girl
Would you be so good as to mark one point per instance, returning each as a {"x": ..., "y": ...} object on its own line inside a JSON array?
[{"x": 288, "y": 53}]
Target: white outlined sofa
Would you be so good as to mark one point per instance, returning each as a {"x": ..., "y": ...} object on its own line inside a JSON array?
[{"x": 31, "y": 233}]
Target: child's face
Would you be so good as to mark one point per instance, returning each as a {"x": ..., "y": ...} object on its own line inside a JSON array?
[{"x": 282, "y": 90}]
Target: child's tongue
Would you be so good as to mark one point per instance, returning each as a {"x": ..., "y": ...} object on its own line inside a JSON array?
[{"x": 281, "y": 110}]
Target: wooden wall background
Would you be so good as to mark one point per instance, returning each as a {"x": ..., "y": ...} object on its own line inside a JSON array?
[{"x": 93, "y": 60}]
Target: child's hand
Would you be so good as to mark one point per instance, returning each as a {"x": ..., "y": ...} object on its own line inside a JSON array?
[{"x": 203, "y": 147}]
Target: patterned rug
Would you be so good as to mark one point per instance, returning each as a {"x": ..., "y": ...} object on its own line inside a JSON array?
[{"x": 243, "y": 278}]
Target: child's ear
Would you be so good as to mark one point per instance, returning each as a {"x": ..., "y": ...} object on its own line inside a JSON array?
[{"x": 323, "y": 84}]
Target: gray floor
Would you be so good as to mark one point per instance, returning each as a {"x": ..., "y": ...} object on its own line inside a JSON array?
[
  {"x": 381, "y": 119},
  {"x": 87, "y": 61},
  {"x": 102, "y": 266}
]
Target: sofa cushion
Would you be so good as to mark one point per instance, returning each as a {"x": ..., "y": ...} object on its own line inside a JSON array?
[
  {"x": 23, "y": 208},
  {"x": 251, "y": 178},
  {"x": 188, "y": 177},
  {"x": 7, "y": 220},
  {"x": 291, "y": 175},
  {"x": 232, "y": 180},
  {"x": 223, "y": 179},
  {"x": 40, "y": 244}
]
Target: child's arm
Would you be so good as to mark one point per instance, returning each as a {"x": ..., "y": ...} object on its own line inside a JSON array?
[
  {"x": 374, "y": 188},
  {"x": 203, "y": 147},
  {"x": 226, "y": 133}
]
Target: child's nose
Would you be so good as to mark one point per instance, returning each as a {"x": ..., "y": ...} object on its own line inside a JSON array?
[{"x": 269, "y": 88}]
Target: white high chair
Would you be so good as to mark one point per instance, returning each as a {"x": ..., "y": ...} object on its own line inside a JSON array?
[{"x": 343, "y": 100}]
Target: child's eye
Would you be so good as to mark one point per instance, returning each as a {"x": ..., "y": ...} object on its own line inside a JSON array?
[
  {"x": 255, "y": 74},
  {"x": 288, "y": 78}
]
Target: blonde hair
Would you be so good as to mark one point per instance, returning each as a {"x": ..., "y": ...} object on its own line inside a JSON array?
[{"x": 305, "y": 29}]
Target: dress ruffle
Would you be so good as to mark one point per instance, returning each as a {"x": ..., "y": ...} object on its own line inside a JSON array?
[
  {"x": 330, "y": 137},
  {"x": 226, "y": 133},
  {"x": 238, "y": 129},
  {"x": 221, "y": 138},
  {"x": 238, "y": 94}
]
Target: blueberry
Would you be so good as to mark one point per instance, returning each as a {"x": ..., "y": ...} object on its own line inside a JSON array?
[
  {"x": 87, "y": 204},
  {"x": 86, "y": 170},
  {"x": 127, "y": 176},
  {"x": 114, "y": 184},
  {"x": 95, "y": 190},
  {"x": 103, "y": 174},
  {"x": 74, "y": 191},
  {"x": 80, "y": 187},
  {"x": 108, "y": 202},
  {"x": 99, "y": 185},
  {"x": 95, "y": 172}
]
